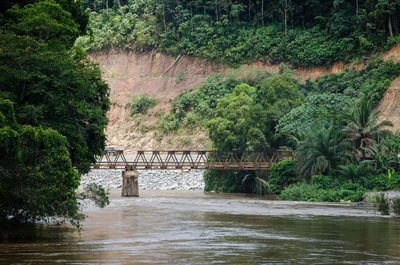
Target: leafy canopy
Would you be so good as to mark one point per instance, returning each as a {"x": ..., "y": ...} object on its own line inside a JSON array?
[
  {"x": 52, "y": 112},
  {"x": 60, "y": 90},
  {"x": 45, "y": 20},
  {"x": 37, "y": 180},
  {"x": 304, "y": 33}
]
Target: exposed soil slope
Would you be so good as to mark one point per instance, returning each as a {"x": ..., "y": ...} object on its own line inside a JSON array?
[
  {"x": 390, "y": 105},
  {"x": 166, "y": 77}
]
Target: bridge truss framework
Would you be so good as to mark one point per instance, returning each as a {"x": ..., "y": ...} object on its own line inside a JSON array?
[{"x": 215, "y": 160}]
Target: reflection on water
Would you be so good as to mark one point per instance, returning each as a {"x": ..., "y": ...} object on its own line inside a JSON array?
[{"x": 193, "y": 228}]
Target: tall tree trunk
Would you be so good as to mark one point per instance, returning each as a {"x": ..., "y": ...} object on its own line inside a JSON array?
[
  {"x": 120, "y": 8},
  {"x": 262, "y": 12},
  {"x": 286, "y": 7},
  {"x": 390, "y": 26},
  {"x": 357, "y": 7},
  {"x": 165, "y": 23},
  {"x": 191, "y": 17},
  {"x": 216, "y": 9},
  {"x": 249, "y": 10},
  {"x": 107, "y": 6}
]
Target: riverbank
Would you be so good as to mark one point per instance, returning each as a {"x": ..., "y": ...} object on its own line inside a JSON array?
[{"x": 149, "y": 179}]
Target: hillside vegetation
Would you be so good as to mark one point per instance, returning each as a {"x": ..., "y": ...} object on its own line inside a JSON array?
[
  {"x": 341, "y": 148},
  {"x": 304, "y": 33},
  {"x": 272, "y": 110}
]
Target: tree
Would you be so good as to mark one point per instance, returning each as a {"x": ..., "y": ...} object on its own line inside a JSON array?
[
  {"x": 61, "y": 90},
  {"x": 279, "y": 93},
  {"x": 52, "y": 113},
  {"x": 245, "y": 120},
  {"x": 73, "y": 7},
  {"x": 228, "y": 130},
  {"x": 363, "y": 127},
  {"x": 324, "y": 148},
  {"x": 384, "y": 153},
  {"x": 45, "y": 20},
  {"x": 388, "y": 8},
  {"x": 37, "y": 180},
  {"x": 281, "y": 175}
]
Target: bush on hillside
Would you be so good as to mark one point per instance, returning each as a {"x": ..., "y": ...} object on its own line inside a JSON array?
[{"x": 141, "y": 103}]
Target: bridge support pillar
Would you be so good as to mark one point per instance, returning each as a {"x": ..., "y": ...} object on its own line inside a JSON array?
[{"x": 130, "y": 183}]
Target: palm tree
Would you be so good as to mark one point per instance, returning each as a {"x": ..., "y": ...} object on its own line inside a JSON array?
[
  {"x": 323, "y": 149},
  {"x": 354, "y": 171},
  {"x": 362, "y": 126}
]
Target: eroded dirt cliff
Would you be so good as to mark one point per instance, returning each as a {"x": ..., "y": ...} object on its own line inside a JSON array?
[{"x": 165, "y": 77}]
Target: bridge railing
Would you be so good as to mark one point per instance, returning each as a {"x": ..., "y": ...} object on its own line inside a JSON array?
[{"x": 217, "y": 160}]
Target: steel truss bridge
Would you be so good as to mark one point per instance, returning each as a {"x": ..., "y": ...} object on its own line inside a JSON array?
[{"x": 216, "y": 160}]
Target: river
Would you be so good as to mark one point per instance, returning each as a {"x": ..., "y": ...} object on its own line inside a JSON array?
[{"x": 178, "y": 227}]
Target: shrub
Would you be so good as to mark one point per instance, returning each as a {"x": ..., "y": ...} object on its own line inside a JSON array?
[
  {"x": 306, "y": 192},
  {"x": 168, "y": 123},
  {"x": 180, "y": 77},
  {"x": 228, "y": 181},
  {"x": 396, "y": 205},
  {"x": 375, "y": 182},
  {"x": 382, "y": 203},
  {"x": 355, "y": 172},
  {"x": 141, "y": 103},
  {"x": 317, "y": 107},
  {"x": 325, "y": 182},
  {"x": 281, "y": 175},
  {"x": 301, "y": 192},
  {"x": 382, "y": 182},
  {"x": 394, "y": 182}
]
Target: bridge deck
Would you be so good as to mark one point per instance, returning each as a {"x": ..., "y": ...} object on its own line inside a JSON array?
[{"x": 216, "y": 160}]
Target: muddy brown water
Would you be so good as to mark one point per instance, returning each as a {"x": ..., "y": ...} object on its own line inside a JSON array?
[{"x": 177, "y": 227}]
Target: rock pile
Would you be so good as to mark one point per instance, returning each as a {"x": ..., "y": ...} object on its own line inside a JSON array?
[{"x": 149, "y": 179}]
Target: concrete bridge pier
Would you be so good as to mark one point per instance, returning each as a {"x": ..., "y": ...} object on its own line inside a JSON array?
[{"x": 130, "y": 183}]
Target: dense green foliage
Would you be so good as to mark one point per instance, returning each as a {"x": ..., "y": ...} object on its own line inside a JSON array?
[
  {"x": 332, "y": 94},
  {"x": 264, "y": 111},
  {"x": 339, "y": 152},
  {"x": 56, "y": 89},
  {"x": 245, "y": 118},
  {"x": 96, "y": 193},
  {"x": 37, "y": 179},
  {"x": 363, "y": 127},
  {"x": 60, "y": 21},
  {"x": 141, "y": 103},
  {"x": 281, "y": 175},
  {"x": 305, "y": 33},
  {"x": 316, "y": 108},
  {"x": 229, "y": 181},
  {"x": 372, "y": 80},
  {"x": 52, "y": 114},
  {"x": 306, "y": 192},
  {"x": 323, "y": 148},
  {"x": 196, "y": 106}
]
